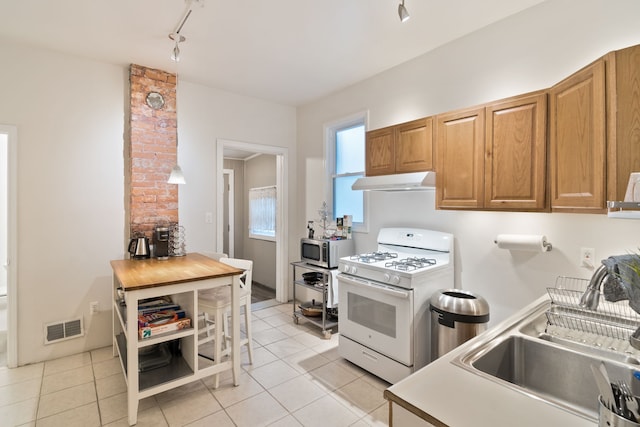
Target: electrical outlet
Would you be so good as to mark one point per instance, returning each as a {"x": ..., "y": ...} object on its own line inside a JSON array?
[
  {"x": 93, "y": 307},
  {"x": 587, "y": 256}
]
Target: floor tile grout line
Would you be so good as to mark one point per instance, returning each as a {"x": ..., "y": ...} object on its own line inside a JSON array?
[
  {"x": 292, "y": 412},
  {"x": 95, "y": 387},
  {"x": 40, "y": 393}
]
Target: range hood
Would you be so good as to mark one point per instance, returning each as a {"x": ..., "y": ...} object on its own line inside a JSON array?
[{"x": 415, "y": 181}]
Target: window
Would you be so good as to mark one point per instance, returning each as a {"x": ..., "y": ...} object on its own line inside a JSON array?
[
  {"x": 345, "y": 164},
  {"x": 262, "y": 213}
]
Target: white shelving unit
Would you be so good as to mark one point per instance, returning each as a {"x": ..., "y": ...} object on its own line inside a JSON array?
[{"x": 186, "y": 366}]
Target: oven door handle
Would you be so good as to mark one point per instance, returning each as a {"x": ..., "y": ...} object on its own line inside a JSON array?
[{"x": 384, "y": 289}]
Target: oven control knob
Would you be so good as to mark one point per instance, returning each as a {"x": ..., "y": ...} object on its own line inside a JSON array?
[
  {"x": 389, "y": 278},
  {"x": 354, "y": 269}
]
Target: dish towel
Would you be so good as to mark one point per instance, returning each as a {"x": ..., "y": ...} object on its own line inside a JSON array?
[
  {"x": 622, "y": 282},
  {"x": 332, "y": 289}
]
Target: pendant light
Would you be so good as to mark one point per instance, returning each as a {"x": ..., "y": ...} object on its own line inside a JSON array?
[
  {"x": 403, "y": 13},
  {"x": 176, "y": 177}
]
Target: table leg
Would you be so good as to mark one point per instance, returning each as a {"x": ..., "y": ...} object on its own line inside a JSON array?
[
  {"x": 235, "y": 336},
  {"x": 132, "y": 361},
  {"x": 133, "y": 409}
]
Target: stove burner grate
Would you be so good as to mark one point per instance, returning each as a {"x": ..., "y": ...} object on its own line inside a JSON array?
[
  {"x": 409, "y": 264},
  {"x": 374, "y": 257}
]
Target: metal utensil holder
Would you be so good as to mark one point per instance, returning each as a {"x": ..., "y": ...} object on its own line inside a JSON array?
[
  {"x": 611, "y": 319},
  {"x": 608, "y": 418}
]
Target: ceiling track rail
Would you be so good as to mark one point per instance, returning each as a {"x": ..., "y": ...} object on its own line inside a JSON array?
[{"x": 185, "y": 15}]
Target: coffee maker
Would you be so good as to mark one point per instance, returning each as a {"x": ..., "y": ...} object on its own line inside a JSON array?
[{"x": 161, "y": 242}]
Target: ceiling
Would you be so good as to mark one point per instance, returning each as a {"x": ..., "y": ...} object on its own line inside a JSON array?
[{"x": 286, "y": 51}]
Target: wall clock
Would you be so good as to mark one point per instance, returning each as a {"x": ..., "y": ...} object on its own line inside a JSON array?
[{"x": 155, "y": 100}]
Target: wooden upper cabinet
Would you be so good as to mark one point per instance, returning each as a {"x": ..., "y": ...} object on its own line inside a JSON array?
[
  {"x": 512, "y": 155},
  {"x": 380, "y": 152},
  {"x": 414, "y": 146},
  {"x": 515, "y": 153},
  {"x": 577, "y": 137},
  {"x": 493, "y": 156},
  {"x": 623, "y": 119},
  {"x": 403, "y": 148},
  {"x": 460, "y": 159}
]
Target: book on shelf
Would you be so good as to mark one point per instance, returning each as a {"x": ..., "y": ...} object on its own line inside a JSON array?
[
  {"x": 158, "y": 308},
  {"x": 174, "y": 325},
  {"x": 160, "y": 317},
  {"x": 155, "y": 301}
]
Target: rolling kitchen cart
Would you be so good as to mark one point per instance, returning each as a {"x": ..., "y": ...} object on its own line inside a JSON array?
[{"x": 321, "y": 286}]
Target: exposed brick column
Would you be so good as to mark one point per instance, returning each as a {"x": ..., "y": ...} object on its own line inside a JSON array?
[{"x": 153, "y": 151}]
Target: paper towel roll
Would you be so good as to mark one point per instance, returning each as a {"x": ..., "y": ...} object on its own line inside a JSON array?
[
  {"x": 633, "y": 188},
  {"x": 523, "y": 242}
]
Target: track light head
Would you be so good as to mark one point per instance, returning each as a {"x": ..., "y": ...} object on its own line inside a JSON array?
[
  {"x": 402, "y": 12},
  {"x": 175, "y": 53}
]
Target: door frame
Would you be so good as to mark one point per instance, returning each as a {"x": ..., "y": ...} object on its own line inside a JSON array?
[
  {"x": 230, "y": 211},
  {"x": 12, "y": 244},
  {"x": 282, "y": 204}
]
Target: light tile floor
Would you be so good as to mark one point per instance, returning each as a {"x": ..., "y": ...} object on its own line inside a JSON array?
[{"x": 297, "y": 379}]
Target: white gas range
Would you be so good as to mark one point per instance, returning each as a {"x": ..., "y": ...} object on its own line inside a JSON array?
[{"x": 384, "y": 300}]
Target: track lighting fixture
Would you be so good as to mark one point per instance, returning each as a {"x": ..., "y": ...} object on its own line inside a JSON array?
[
  {"x": 402, "y": 12},
  {"x": 177, "y": 177},
  {"x": 175, "y": 53}
]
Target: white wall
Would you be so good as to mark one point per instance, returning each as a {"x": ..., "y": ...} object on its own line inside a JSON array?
[
  {"x": 70, "y": 114},
  {"x": 532, "y": 50}
]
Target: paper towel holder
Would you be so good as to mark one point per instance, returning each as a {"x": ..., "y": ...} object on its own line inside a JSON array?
[{"x": 547, "y": 246}]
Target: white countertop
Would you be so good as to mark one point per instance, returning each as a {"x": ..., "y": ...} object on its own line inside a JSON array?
[{"x": 459, "y": 398}]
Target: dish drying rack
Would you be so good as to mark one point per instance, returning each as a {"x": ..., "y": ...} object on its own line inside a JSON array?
[{"x": 615, "y": 320}]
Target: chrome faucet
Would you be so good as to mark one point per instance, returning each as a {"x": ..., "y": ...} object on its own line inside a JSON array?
[{"x": 591, "y": 296}]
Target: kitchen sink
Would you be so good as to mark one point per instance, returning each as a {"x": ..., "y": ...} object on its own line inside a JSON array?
[{"x": 557, "y": 370}]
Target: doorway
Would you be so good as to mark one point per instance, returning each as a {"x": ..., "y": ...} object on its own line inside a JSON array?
[
  {"x": 8, "y": 246},
  {"x": 281, "y": 237}
]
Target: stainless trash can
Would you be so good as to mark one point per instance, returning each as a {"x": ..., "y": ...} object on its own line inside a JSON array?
[{"x": 456, "y": 316}]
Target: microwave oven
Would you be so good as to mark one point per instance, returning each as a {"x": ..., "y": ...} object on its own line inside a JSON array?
[{"x": 324, "y": 252}]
